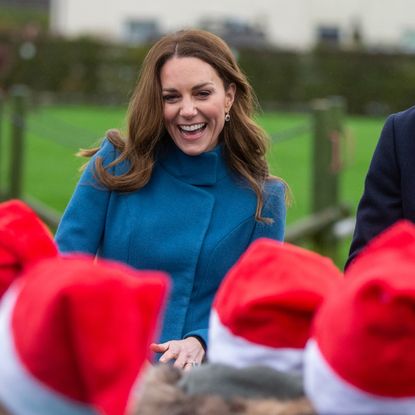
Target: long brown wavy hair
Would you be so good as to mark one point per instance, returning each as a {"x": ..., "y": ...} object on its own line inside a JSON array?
[{"x": 245, "y": 142}]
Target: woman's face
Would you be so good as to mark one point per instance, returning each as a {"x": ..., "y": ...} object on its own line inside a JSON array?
[{"x": 195, "y": 103}]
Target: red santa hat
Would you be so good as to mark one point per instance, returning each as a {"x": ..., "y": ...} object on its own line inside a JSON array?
[
  {"x": 24, "y": 239},
  {"x": 263, "y": 309},
  {"x": 361, "y": 357},
  {"x": 74, "y": 335}
]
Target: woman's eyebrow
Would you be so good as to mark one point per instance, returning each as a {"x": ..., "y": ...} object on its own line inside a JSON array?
[
  {"x": 198, "y": 86},
  {"x": 203, "y": 84}
]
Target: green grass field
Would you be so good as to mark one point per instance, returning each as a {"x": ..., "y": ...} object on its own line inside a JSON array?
[{"x": 55, "y": 134}]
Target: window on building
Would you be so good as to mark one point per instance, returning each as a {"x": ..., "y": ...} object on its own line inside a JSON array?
[
  {"x": 407, "y": 41},
  {"x": 328, "y": 36}
]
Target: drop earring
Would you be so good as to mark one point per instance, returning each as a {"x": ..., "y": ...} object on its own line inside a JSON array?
[{"x": 227, "y": 117}]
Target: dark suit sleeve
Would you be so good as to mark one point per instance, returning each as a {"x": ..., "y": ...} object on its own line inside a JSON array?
[{"x": 381, "y": 203}]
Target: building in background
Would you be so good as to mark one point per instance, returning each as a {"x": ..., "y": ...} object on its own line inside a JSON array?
[
  {"x": 36, "y": 4},
  {"x": 288, "y": 24}
]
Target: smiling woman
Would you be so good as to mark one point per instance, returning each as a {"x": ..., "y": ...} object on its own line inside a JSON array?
[
  {"x": 186, "y": 190},
  {"x": 195, "y": 104}
]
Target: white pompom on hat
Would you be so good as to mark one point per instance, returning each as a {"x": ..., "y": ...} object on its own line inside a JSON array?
[
  {"x": 263, "y": 309},
  {"x": 360, "y": 359},
  {"x": 74, "y": 335}
]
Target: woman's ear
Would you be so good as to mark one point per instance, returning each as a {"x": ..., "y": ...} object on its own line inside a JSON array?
[{"x": 229, "y": 96}]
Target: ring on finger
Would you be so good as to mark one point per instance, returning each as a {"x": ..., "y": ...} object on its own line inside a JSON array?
[{"x": 192, "y": 363}]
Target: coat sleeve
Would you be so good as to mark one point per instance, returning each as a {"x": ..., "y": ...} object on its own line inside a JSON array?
[
  {"x": 83, "y": 221},
  {"x": 275, "y": 209},
  {"x": 201, "y": 335},
  {"x": 381, "y": 202}
]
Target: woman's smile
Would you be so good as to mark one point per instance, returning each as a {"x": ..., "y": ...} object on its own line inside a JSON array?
[{"x": 192, "y": 131}]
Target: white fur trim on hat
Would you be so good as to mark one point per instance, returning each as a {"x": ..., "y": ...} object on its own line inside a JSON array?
[
  {"x": 226, "y": 348},
  {"x": 331, "y": 395},
  {"x": 20, "y": 392}
]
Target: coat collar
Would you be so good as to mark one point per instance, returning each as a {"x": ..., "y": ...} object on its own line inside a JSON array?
[{"x": 205, "y": 169}]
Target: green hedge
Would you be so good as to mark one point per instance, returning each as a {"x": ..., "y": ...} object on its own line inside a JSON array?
[{"x": 88, "y": 69}]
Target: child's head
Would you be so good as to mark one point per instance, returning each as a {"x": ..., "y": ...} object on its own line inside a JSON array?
[
  {"x": 74, "y": 335},
  {"x": 263, "y": 310},
  {"x": 361, "y": 357},
  {"x": 24, "y": 239}
]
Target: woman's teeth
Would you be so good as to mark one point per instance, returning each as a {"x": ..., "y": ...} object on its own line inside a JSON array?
[{"x": 191, "y": 128}]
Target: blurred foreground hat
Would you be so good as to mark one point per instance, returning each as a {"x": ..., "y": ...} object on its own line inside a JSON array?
[
  {"x": 361, "y": 358},
  {"x": 74, "y": 335},
  {"x": 24, "y": 239},
  {"x": 263, "y": 310}
]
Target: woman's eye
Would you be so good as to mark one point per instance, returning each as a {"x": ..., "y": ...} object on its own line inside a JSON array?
[
  {"x": 203, "y": 94},
  {"x": 170, "y": 98}
]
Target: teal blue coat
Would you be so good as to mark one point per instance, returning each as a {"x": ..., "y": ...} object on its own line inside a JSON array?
[{"x": 193, "y": 220}]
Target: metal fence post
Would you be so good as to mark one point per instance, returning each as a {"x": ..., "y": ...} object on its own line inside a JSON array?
[
  {"x": 325, "y": 170},
  {"x": 18, "y": 94}
]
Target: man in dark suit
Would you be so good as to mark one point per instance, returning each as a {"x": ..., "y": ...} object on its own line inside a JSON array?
[{"x": 389, "y": 193}]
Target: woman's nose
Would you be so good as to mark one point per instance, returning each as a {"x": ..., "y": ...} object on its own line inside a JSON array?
[{"x": 188, "y": 108}]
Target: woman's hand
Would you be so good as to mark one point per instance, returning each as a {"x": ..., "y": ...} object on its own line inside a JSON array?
[{"x": 187, "y": 353}]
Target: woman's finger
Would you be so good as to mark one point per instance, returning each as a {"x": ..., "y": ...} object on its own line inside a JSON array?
[
  {"x": 170, "y": 354},
  {"x": 183, "y": 359},
  {"x": 188, "y": 366},
  {"x": 159, "y": 347}
]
